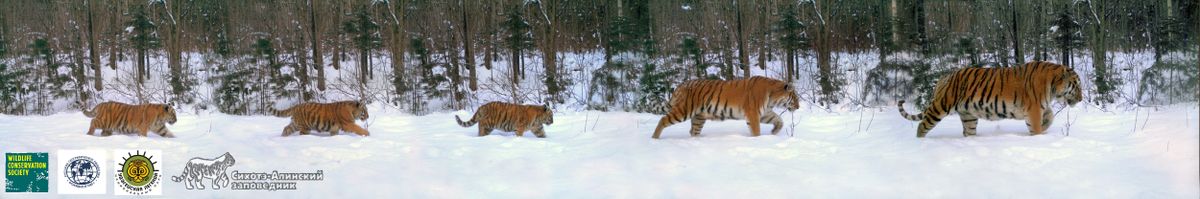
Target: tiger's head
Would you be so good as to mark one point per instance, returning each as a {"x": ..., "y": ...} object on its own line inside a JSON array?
[
  {"x": 1066, "y": 87},
  {"x": 785, "y": 96},
  {"x": 544, "y": 115},
  {"x": 359, "y": 110},
  {"x": 168, "y": 113}
]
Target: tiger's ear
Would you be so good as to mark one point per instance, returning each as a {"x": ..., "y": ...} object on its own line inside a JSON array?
[{"x": 788, "y": 87}]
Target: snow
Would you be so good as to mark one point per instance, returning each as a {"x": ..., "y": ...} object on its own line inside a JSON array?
[{"x": 871, "y": 153}]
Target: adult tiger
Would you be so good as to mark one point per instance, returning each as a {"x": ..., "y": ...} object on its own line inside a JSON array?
[
  {"x": 329, "y": 117},
  {"x": 1022, "y": 92},
  {"x": 510, "y": 117},
  {"x": 750, "y": 99},
  {"x": 125, "y": 118}
]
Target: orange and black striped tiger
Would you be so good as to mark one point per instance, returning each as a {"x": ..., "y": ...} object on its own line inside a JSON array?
[
  {"x": 750, "y": 99},
  {"x": 125, "y": 118},
  {"x": 1022, "y": 92},
  {"x": 510, "y": 117},
  {"x": 328, "y": 117}
]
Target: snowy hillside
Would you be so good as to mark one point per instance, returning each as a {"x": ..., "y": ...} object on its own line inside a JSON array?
[{"x": 872, "y": 154}]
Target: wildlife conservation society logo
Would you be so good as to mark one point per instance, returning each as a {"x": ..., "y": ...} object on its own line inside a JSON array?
[
  {"x": 212, "y": 171},
  {"x": 83, "y": 171},
  {"x": 137, "y": 172},
  {"x": 26, "y": 172}
]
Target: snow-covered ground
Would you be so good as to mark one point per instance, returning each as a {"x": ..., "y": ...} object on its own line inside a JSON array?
[{"x": 857, "y": 154}]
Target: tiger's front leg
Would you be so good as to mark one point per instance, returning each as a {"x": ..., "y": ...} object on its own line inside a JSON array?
[
  {"x": 354, "y": 128},
  {"x": 162, "y": 131},
  {"x": 1034, "y": 121},
  {"x": 1047, "y": 119},
  {"x": 220, "y": 181},
  {"x": 753, "y": 121},
  {"x": 539, "y": 131},
  {"x": 773, "y": 119}
]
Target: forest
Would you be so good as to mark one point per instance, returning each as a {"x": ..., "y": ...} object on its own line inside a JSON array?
[{"x": 418, "y": 56}]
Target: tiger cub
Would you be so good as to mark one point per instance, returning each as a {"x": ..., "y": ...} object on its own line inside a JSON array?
[
  {"x": 510, "y": 117},
  {"x": 125, "y": 118},
  {"x": 750, "y": 99},
  {"x": 328, "y": 117}
]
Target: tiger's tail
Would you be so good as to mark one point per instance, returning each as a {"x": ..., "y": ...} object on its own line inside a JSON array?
[
  {"x": 905, "y": 114},
  {"x": 90, "y": 113},
  {"x": 179, "y": 178},
  {"x": 282, "y": 113},
  {"x": 467, "y": 123}
]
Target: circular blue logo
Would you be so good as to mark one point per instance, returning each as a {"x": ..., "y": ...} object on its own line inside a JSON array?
[{"x": 81, "y": 171}]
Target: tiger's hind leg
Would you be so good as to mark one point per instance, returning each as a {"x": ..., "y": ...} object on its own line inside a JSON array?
[
  {"x": 773, "y": 119},
  {"x": 354, "y": 128},
  {"x": 289, "y": 129},
  {"x": 697, "y": 124},
  {"x": 676, "y": 115},
  {"x": 484, "y": 131},
  {"x": 92, "y": 128},
  {"x": 931, "y": 117},
  {"x": 969, "y": 123},
  {"x": 521, "y": 131}
]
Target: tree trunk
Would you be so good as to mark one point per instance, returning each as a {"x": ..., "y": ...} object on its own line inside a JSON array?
[
  {"x": 317, "y": 58},
  {"x": 364, "y": 65},
  {"x": 743, "y": 58},
  {"x": 468, "y": 54},
  {"x": 515, "y": 64},
  {"x": 93, "y": 56},
  {"x": 1016, "y": 39},
  {"x": 549, "y": 50},
  {"x": 337, "y": 39},
  {"x": 141, "y": 66},
  {"x": 895, "y": 10},
  {"x": 790, "y": 64},
  {"x": 489, "y": 54}
]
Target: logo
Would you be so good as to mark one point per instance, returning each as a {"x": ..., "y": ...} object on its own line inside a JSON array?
[
  {"x": 26, "y": 172},
  {"x": 198, "y": 169},
  {"x": 83, "y": 172},
  {"x": 136, "y": 173},
  {"x": 212, "y": 171}
]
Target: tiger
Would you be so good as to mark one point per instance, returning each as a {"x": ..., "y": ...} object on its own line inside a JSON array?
[
  {"x": 750, "y": 99},
  {"x": 125, "y": 118},
  {"x": 510, "y": 117},
  {"x": 328, "y": 117},
  {"x": 198, "y": 169},
  {"x": 1021, "y": 92}
]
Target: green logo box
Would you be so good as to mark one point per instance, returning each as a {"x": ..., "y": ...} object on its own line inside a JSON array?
[{"x": 26, "y": 172}]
